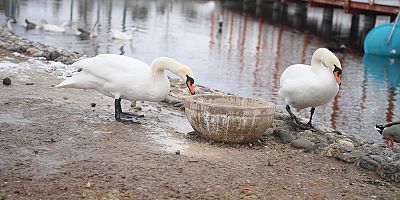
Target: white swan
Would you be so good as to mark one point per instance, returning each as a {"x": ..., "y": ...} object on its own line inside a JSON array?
[
  {"x": 390, "y": 131},
  {"x": 51, "y": 27},
  {"x": 9, "y": 27},
  {"x": 304, "y": 86},
  {"x": 122, "y": 77},
  {"x": 118, "y": 35}
]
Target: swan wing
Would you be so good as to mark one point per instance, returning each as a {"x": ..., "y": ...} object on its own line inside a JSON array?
[{"x": 107, "y": 68}]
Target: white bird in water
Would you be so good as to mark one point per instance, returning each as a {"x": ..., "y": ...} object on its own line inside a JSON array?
[
  {"x": 122, "y": 77},
  {"x": 118, "y": 35},
  {"x": 305, "y": 86},
  {"x": 390, "y": 131},
  {"x": 51, "y": 27},
  {"x": 9, "y": 22}
]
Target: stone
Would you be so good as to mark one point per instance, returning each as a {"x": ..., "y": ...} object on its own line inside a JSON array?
[
  {"x": 30, "y": 51},
  {"x": 283, "y": 136},
  {"x": 7, "y": 81},
  {"x": 302, "y": 143},
  {"x": 368, "y": 163},
  {"x": 53, "y": 55},
  {"x": 346, "y": 157},
  {"x": 316, "y": 148}
]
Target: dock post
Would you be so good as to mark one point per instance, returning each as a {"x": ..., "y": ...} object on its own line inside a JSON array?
[
  {"x": 355, "y": 24},
  {"x": 300, "y": 16},
  {"x": 327, "y": 19}
]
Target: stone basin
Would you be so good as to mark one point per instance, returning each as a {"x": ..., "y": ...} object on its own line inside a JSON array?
[{"x": 228, "y": 118}]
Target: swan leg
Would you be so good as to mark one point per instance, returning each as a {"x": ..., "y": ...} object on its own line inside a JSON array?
[
  {"x": 119, "y": 114},
  {"x": 307, "y": 126},
  {"x": 292, "y": 115},
  {"x": 311, "y": 127}
]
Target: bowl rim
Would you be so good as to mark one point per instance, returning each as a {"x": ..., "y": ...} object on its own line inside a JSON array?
[{"x": 267, "y": 104}]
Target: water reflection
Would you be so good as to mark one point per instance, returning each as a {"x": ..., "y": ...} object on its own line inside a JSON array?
[
  {"x": 246, "y": 55},
  {"x": 384, "y": 71}
]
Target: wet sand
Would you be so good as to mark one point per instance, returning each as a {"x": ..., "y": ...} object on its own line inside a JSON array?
[{"x": 55, "y": 145}]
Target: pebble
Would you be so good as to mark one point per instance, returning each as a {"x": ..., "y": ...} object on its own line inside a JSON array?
[
  {"x": 346, "y": 157},
  {"x": 283, "y": 136},
  {"x": 302, "y": 143},
  {"x": 93, "y": 105},
  {"x": 7, "y": 81}
]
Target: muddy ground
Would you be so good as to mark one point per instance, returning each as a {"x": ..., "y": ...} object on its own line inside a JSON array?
[{"x": 55, "y": 145}]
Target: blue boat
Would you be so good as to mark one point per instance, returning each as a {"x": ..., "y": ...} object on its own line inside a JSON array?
[{"x": 384, "y": 40}]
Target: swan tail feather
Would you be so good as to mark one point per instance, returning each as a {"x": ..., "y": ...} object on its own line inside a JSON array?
[{"x": 80, "y": 81}]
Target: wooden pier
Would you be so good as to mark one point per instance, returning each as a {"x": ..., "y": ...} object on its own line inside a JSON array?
[{"x": 377, "y": 7}]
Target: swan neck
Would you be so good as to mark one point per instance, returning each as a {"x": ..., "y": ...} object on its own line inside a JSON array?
[
  {"x": 316, "y": 60},
  {"x": 160, "y": 64}
]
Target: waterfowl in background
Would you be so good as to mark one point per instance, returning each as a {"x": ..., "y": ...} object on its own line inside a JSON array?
[
  {"x": 85, "y": 34},
  {"x": 43, "y": 24},
  {"x": 9, "y": 22},
  {"x": 122, "y": 77},
  {"x": 29, "y": 25},
  {"x": 390, "y": 131},
  {"x": 305, "y": 86},
  {"x": 118, "y": 35}
]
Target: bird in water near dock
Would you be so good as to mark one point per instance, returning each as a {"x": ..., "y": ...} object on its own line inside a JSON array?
[
  {"x": 43, "y": 24},
  {"x": 118, "y": 35},
  {"x": 29, "y": 25},
  {"x": 9, "y": 27},
  {"x": 122, "y": 77},
  {"x": 85, "y": 34},
  {"x": 339, "y": 49},
  {"x": 305, "y": 86},
  {"x": 390, "y": 131}
]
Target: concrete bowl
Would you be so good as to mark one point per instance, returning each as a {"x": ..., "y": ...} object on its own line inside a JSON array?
[{"x": 227, "y": 118}]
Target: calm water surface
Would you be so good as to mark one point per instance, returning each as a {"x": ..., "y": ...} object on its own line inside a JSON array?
[{"x": 245, "y": 57}]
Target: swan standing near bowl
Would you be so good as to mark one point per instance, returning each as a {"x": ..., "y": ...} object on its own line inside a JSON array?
[
  {"x": 122, "y": 77},
  {"x": 390, "y": 131},
  {"x": 305, "y": 86},
  {"x": 51, "y": 27},
  {"x": 118, "y": 35}
]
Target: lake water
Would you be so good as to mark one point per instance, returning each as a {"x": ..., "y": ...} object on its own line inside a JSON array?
[{"x": 245, "y": 57}]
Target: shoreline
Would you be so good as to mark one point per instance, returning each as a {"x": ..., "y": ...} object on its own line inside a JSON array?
[{"x": 283, "y": 136}]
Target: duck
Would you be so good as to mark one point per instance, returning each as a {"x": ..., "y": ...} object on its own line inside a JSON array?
[
  {"x": 85, "y": 34},
  {"x": 309, "y": 86},
  {"x": 123, "y": 77},
  {"x": 390, "y": 131},
  {"x": 9, "y": 27},
  {"x": 118, "y": 35},
  {"x": 43, "y": 24},
  {"x": 29, "y": 25},
  {"x": 339, "y": 49}
]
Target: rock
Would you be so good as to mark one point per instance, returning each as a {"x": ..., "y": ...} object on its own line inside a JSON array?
[
  {"x": 30, "y": 83},
  {"x": 7, "y": 81},
  {"x": 316, "y": 148},
  {"x": 178, "y": 152},
  {"x": 179, "y": 104},
  {"x": 347, "y": 157},
  {"x": 30, "y": 51},
  {"x": 93, "y": 105},
  {"x": 283, "y": 136},
  {"x": 367, "y": 163},
  {"x": 346, "y": 143},
  {"x": 302, "y": 143},
  {"x": 53, "y": 55}
]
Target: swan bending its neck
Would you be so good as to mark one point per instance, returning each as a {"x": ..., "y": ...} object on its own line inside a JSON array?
[
  {"x": 323, "y": 59},
  {"x": 164, "y": 63}
]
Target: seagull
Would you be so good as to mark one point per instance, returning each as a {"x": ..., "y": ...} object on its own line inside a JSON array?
[{"x": 390, "y": 131}]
